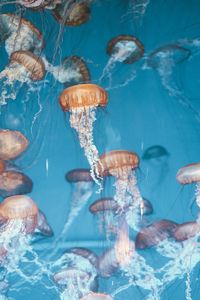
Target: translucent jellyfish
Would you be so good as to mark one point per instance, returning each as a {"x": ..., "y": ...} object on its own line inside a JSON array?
[
  {"x": 164, "y": 60},
  {"x": 82, "y": 187},
  {"x": 20, "y": 34},
  {"x": 14, "y": 183},
  {"x": 73, "y": 12},
  {"x": 190, "y": 174},
  {"x": 97, "y": 296},
  {"x": 108, "y": 212},
  {"x": 125, "y": 49},
  {"x": 77, "y": 273},
  {"x": 12, "y": 144},
  {"x": 82, "y": 101},
  {"x": 121, "y": 165},
  {"x": 136, "y": 10},
  {"x": 24, "y": 67},
  {"x": 72, "y": 71},
  {"x": 155, "y": 233}
]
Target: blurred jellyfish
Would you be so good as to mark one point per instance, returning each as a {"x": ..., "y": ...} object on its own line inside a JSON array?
[
  {"x": 82, "y": 187},
  {"x": 82, "y": 101},
  {"x": 24, "y": 67},
  {"x": 77, "y": 274},
  {"x": 137, "y": 9},
  {"x": 108, "y": 212},
  {"x": 12, "y": 144},
  {"x": 20, "y": 35},
  {"x": 121, "y": 165},
  {"x": 191, "y": 174},
  {"x": 72, "y": 71},
  {"x": 97, "y": 296},
  {"x": 123, "y": 49},
  {"x": 72, "y": 12},
  {"x": 155, "y": 233},
  {"x": 164, "y": 60},
  {"x": 14, "y": 183}
]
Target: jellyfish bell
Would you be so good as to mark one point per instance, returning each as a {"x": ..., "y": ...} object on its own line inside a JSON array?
[
  {"x": 155, "y": 152},
  {"x": 20, "y": 34},
  {"x": 190, "y": 174},
  {"x": 19, "y": 208},
  {"x": 186, "y": 231},
  {"x": 64, "y": 276},
  {"x": 97, "y": 296},
  {"x": 39, "y": 4},
  {"x": 155, "y": 233},
  {"x": 87, "y": 254},
  {"x": 108, "y": 264},
  {"x": 43, "y": 227},
  {"x": 12, "y": 144},
  {"x": 72, "y": 13},
  {"x": 82, "y": 101},
  {"x": 79, "y": 175},
  {"x": 125, "y": 48},
  {"x": 14, "y": 183}
]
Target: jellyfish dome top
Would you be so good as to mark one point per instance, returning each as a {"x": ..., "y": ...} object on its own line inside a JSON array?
[
  {"x": 155, "y": 151},
  {"x": 97, "y": 296},
  {"x": 155, "y": 233},
  {"x": 79, "y": 175},
  {"x": 186, "y": 231},
  {"x": 20, "y": 34},
  {"x": 81, "y": 101},
  {"x": 125, "y": 48},
  {"x": 14, "y": 183},
  {"x": 190, "y": 174},
  {"x": 19, "y": 211},
  {"x": 121, "y": 164},
  {"x": 12, "y": 144},
  {"x": 72, "y": 12}
]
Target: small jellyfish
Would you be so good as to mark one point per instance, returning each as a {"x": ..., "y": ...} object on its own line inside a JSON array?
[
  {"x": 155, "y": 233},
  {"x": 72, "y": 71},
  {"x": 43, "y": 227},
  {"x": 24, "y": 67},
  {"x": 82, "y": 101},
  {"x": 14, "y": 183},
  {"x": 121, "y": 165},
  {"x": 125, "y": 49},
  {"x": 190, "y": 174},
  {"x": 20, "y": 35},
  {"x": 12, "y": 144},
  {"x": 155, "y": 152},
  {"x": 73, "y": 12},
  {"x": 96, "y": 296}
]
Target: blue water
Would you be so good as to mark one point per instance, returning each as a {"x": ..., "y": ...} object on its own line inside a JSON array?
[{"x": 140, "y": 113}]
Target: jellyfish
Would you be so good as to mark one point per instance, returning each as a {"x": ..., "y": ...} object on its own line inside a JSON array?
[
  {"x": 82, "y": 184},
  {"x": 137, "y": 9},
  {"x": 20, "y": 35},
  {"x": 82, "y": 101},
  {"x": 190, "y": 174},
  {"x": 125, "y": 49},
  {"x": 77, "y": 274},
  {"x": 97, "y": 296},
  {"x": 121, "y": 165},
  {"x": 73, "y": 12},
  {"x": 24, "y": 67},
  {"x": 12, "y": 144},
  {"x": 108, "y": 211},
  {"x": 39, "y": 4},
  {"x": 14, "y": 183},
  {"x": 72, "y": 71}
]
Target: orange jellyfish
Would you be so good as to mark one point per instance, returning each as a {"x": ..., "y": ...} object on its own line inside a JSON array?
[
  {"x": 72, "y": 13},
  {"x": 20, "y": 34},
  {"x": 122, "y": 164},
  {"x": 97, "y": 296},
  {"x": 186, "y": 231},
  {"x": 190, "y": 174},
  {"x": 24, "y": 67},
  {"x": 14, "y": 183},
  {"x": 82, "y": 101},
  {"x": 12, "y": 144},
  {"x": 73, "y": 70}
]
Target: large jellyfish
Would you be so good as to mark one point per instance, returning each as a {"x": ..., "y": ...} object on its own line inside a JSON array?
[
  {"x": 77, "y": 274},
  {"x": 72, "y": 12},
  {"x": 82, "y": 101},
  {"x": 121, "y": 165},
  {"x": 125, "y": 49},
  {"x": 191, "y": 174},
  {"x": 73, "y": 70},
  {"x": 24, "y": 67},
  {"x": 82, "y": 188}
]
